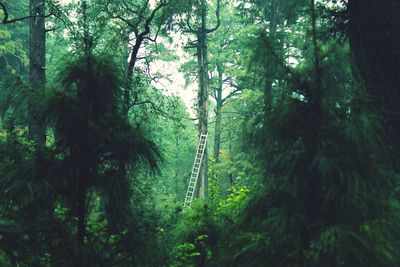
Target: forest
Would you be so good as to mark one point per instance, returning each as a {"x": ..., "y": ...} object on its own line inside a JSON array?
[{"x": 194, "y": 133}]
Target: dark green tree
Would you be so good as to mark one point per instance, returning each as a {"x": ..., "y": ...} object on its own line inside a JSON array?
[
  {"x": 328, "y": 196},
  {"x": 376, "y": 56}
]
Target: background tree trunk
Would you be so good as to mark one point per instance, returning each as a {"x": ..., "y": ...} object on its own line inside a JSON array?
[
  {"x": 270, "y": 72},
  {"x": 202, "y": 61},
  {"x": 37, "y": 76},
  {"x": 218, "y": 114},
  {"x": 202, "y": 98},
  {"x": 129, "y": 76}
]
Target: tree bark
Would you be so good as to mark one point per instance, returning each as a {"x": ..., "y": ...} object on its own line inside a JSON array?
[
  {"x": 218, "y": 114},
  {"x": 202, "y": 61},
  {"x": 129, "y": 75},
  {"x": 203, "y": 104},
  {"x": 37, "y": 63},
  {"x": 270, "y": 70}
]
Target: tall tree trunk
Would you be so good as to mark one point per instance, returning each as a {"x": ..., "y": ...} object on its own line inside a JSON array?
[
  {"x": 37, "y": 63},
  {"x": 218, "y": 114},
  {"x": 84, "y": 148},
  {"x": 374, "y": 29},
  {"x": 129, "y": 75},
  {"x": 202, "y": 61},
  {"x": 270, "y": 69},
  {"x": 177, "y": 165}
]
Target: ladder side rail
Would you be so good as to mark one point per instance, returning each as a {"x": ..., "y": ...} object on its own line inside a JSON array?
[
  {"x": 195, "y": 174},
  {"x": 193, "y": 178},
  {"x": 196, "y": 170}
]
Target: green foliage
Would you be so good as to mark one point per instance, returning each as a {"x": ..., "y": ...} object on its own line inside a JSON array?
[
  {"x": 188, "y": 254},
  {"x": 91, "y": 137},
  {"x": 235, "y": 202},
  {"x": 195, "y": 236},
  {"x": 306, "y": 174},
  {"x": 87, "y": 110},
  {"x": 326, "y": 180},
  {"x": 13, "y": 90}
]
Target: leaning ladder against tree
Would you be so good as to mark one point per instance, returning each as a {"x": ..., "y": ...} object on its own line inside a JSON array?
[{"x": 196, "y": 170}]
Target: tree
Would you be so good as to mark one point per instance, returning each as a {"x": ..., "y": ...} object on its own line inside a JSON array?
[
  {"x": 37, "y": 62},
  {"x": 327, "y": 186},
  {"x": 13, "y": 62},
  {"x": 37, "y": 66},
  {"x": 201, "y": 32},
  {"x": 224, "y": 69},
  {"x": 145, "y": 18},
  {"x": 376, "y": 58}
]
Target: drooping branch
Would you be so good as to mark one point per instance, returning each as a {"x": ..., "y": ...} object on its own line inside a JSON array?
[
  {"x": 154, "y": 39},
  {"x": 233, "y": 93},
  {"x": 113, "y": 16},
  {"x": 195, "y": 30},
  {"x": 217, "y": 14},
  {"x": 269, "y": 48},
  {"x": 149, "y": 20},
  {"x": 191, "y": 29},
  {"x": 6, "y": 15}
]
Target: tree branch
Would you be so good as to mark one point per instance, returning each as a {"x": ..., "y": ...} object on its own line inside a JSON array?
[
  {"x": 217, "y": 13},
  {"x": 6, "y": 16},
  {"x": 278, "y": 59},
  {"x": 235, "y": 92},
  {"x": 149, "y": 20},
  {"x": 154, "y": 40},
  {"x": 191, "y": 29}
]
